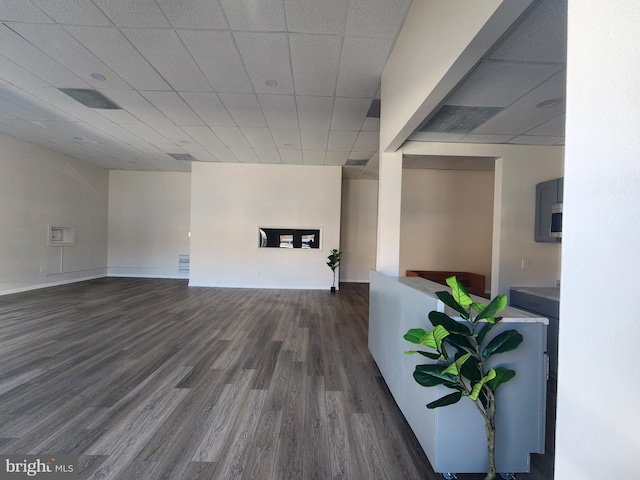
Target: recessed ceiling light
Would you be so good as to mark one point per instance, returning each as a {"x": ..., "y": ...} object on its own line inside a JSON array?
[
  {"x": 271, "y": 83},
  {"x": 550, "y": 102},
  {"x": 99, "y": 76}
]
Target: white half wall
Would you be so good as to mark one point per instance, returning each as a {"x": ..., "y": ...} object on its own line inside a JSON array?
[
  {"x": 39, "y": 187},
  {"x": 518, "y": 169},
  {"x": 229, "y": 204},
  {"x": 358, "y": 229},
  {"x": 447, "y": 219},
  {"x": 149, "y": 215},
  {"x": 598, "y": 387}
]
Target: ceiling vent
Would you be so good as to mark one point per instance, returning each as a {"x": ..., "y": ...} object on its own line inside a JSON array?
[
  {"x": 183, "y": 157},
  {"x": 459, "y": 119},
  {"x": 374, "y": 109},
  {"x": 90, "y": 98},
  {"x": 358, "y": 163}
]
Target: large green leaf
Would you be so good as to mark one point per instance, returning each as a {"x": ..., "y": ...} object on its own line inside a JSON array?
[
  {"x": 454, "y": 368},
  {"x": 496, "y": 305},
  {"x": 483, "y": 332},
  {"x": 459, "y": 293},
  {"x": 505, "y": 342},
  {"x": 503, "y": 375},
  {"x": 439, "y": 318},
  {"x": 432, "y": 375},
  {"x": 414, "y": 335},
  {"x": 446, "y": 400},
  {"x": 432, "y": 356},
  {"x": 471, "y": 370},
  {"x": 475, "y": 391},
  {"x": 449, "y": 301}
]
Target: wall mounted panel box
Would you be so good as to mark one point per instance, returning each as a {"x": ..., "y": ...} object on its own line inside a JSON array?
[
  {"x": 59, "y": 236},
  {"x": 548, "y": 195}
]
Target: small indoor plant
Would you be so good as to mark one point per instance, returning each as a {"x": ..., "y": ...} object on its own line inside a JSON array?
[
  {"x": 460, "y": 350},
  {"x": 334, "y": 262}
]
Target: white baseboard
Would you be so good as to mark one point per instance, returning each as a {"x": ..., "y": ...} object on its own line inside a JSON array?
[{"x": 51, "y": 284}]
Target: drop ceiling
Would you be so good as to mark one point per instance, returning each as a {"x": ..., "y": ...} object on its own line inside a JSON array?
[{"x": 275, "y": 81}]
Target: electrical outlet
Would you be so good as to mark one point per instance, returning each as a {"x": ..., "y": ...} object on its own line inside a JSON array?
[{"x": 525, "y": 263}]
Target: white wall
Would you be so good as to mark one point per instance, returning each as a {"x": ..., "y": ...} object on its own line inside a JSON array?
[
  {"x": 598, "y": 387},
  {"x": 358, "y": 229},
  {"x": 40, "y": 187},
  {"x": 231, "y": 201},
  {"x": 518, "y": 170},
  {"x": 447, "y": 218},
  {"x": 149, "y": 215}
]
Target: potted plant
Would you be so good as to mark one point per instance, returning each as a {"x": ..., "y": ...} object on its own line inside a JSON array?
[
  {"x": 334, "y": 262},
  {"x": 460, "y": 350}
]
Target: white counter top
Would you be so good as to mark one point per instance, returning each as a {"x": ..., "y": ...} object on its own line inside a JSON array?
[{"x": 550, "y": 293}]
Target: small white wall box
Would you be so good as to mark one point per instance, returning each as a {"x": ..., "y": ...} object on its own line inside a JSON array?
[{"x": 59, "y": 236}]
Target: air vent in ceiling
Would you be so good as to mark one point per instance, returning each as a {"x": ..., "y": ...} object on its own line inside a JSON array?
[
  {"x": 183, "y": 157},
  {"x": 374, "y": 109},
  {"x": 459, "y": 119},
  {"x": 358, "y": 163},
  {"x": 90, "y": 98}
]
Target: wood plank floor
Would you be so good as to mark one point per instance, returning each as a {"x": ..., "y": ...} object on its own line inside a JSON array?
[{"x": 152, "y": 379}]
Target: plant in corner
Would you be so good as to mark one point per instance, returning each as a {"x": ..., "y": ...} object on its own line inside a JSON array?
[
  {"x": 460, "y": 350},
  {"x": 334, "y": 262}
]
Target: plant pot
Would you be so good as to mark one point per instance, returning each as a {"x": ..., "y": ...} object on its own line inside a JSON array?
[{"x": 333, "y": 289}]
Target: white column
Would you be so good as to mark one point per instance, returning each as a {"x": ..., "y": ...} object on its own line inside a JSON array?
[
  {"x": 389, "y": 201},
  {"x": 598, "y": 377}
]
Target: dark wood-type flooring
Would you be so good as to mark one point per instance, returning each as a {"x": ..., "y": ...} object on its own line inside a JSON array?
[{"x": 152, "y": 379}]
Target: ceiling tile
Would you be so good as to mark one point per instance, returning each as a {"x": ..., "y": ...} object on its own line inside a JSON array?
[
  {"x": 16, "y": 75},
  {"x": 268, "y": 155},
  {"x": 349, "y": 113},
  {"x": 262, "y": 16},
  {"x": 376, "y": 18},
  {"x": 266, "y": 56},
  {"x": 165, "y": 51},
  {"x": 313, "y": 157},
  {"x": 231, "y": 136},
  {"x": 361, "y": 65},
  {"x": 200, "y": 153},
  {"x": 436, "y": 137},
  {"x": 478, "y": 138},
  {"x": 367, "y": 142},
  {"x": 23, "y": 53},
  {"x": 209, "y": 108},
  {"x": 139, "y": 107},
  {"x": 113, "y": 48},
  {"x": 139, "y": 13},
  {"x": 244, "y": 108},
  {"x": 523, "y": 115},
  {"x": 537, "y": 140},
  {"x": 62, "y": 47},
  {"x": 55, "y": 98},
  {"x": 499, "y": 84},
  {"x": 245, "y": 155},
  {"x": 541, "y": 37},
  {"x": 552, "y": 128},
  {"x": 341, "y": 140},
  {"x": 314, "y": 16},
  {"x": 371, "y": 124},
  {"x": 286, "y": 138},
  {"x": 314, "y": 113},
  {"x": 224, "y": 155},
  {"x": 210, "y": 50},
  {"x": 314, "y": 139},
  {"x": 205, "y": 137},
  {"x": 151, "y": 136},
  {"x": 73, "y": 12},
  {"x": 258, "y": 137},
  {"x": 22, "y": 11},
  {"x": 315, "y": 60},
  {"x": 336, "y": 158},
  {"x": 119, "y": 116},
  {"x": 279, "y": 110},
  {"x": 173, "y": 107},
  {"x": 291, "y": 157},
  {"x": 206, "y": 14},
  {"x": 175, "y": 134},
  {"x": 360, "y": 155}
]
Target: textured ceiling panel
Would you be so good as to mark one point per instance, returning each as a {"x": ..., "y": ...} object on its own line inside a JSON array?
[
  {"x": 341, "y": 140},
  {"x": 313, "y": 157},
  {"x": 173, "y": 107},
  {"x": 22, "y": 11},
  {"x": 286, "y": 138},
  {"x": 268, "y": 155},
  {"x": 314, "y": 139},
  {"x": 113, "y": 48},
  {"x": 231, "y": 136},
  {"x": 279, "y": 110},
  {"x": 291, "y": 157},
  {"x": 259, "y": 137},
  {"x": 73, "y": 12},
  {"x": 262, "y": 16},
  {"x": 209, "y": 108},
  {"x": 244, "y": 108},
  {"x": 376, "y": 18},
  {"x": 349, "y": 113},
  {"x": 313, "y": 16},
  {"x": 211, "y": 50},
  {"x": 458, "y": 119},
  {"x": 314, "y": 112},
  {"x": 361, "y": 59},
  {"x": 315, "y": 61},
  {"x": 141, "y": 13},
  {"x": 205, "y": 14}
]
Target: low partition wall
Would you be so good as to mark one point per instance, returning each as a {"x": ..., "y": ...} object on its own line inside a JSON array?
[{"x": 453, "y": 437}]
